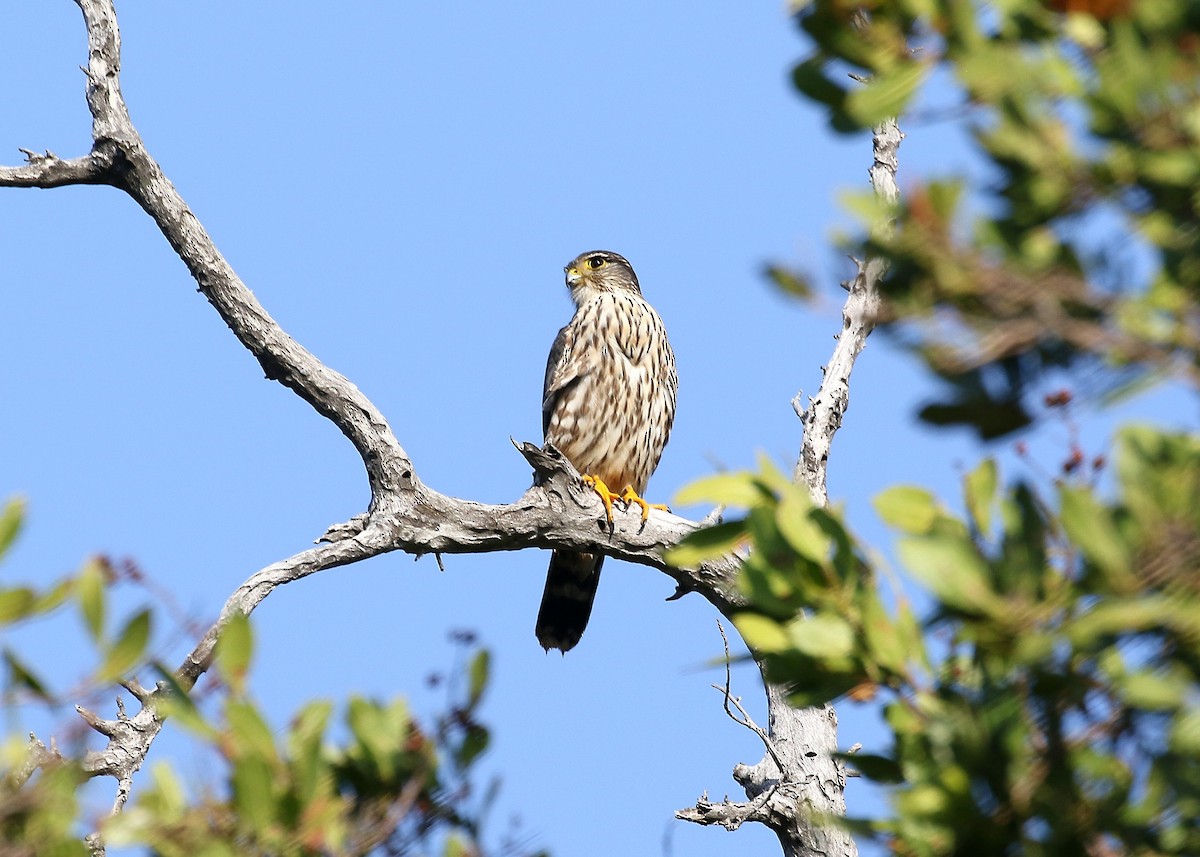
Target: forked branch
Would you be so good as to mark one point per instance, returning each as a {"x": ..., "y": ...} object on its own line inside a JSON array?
[
  {"x": 404, "y": 514},
  {"x": 799, "y": 783},
  {"x": 408, "y": 516}
]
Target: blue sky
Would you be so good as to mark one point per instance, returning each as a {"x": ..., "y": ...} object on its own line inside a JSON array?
[{"x": 401, "y": 184}]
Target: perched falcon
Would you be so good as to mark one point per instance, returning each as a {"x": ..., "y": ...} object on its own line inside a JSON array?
[{"x": 607, "y": 405}]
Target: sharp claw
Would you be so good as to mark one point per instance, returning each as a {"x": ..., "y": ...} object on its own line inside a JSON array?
[
  {"x": 628, "y": 496},
  {"x": 631, "y": 496},
  {"x": 606, "y": 495}
]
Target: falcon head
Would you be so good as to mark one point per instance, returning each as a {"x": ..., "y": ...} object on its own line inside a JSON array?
[{"x": 598, "y": 271}]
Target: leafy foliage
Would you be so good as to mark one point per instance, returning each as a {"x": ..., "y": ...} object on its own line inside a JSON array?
[
  {"x": 381, "y": 783},
  {"x": 1081, "y": 247},
  {"x": 1051, "y": 702}
]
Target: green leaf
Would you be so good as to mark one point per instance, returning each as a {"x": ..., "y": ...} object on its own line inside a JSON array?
[
  {"x": 90, "y": 592},
  {"x": 457, "y": 847},
  {"x": 309, "y": 725},
  {"x": 979, "y": 489},
  {"x": 479, "y": 671},
  {"x": 249, "y": 732},
  {"x": 169, "y": 791},
  {"x": 234, "y": 650},
  {"x": 177, "y": 704},
  {"x": 10, "y": 523},
  {"x": 881, "y": 769},
  {"x": 1091, "y": 528},
  {"x": 791, "y": 281},
  {"x": 253, "y": 792},
  {"x": 822, "y": 636},
  {"x": 761, "y": 634},
  {"x": 304, "y": 749},
  {"x": 1111, "y": 618},
  {"x": 1179, "y": 167},
  {"x": 731, "y": 489},
  {"x": 398, "y": 718},
  {"x": 885, "y": 95},
  {"x": 908, "y": 631},
  {"x": 707, "y": 543},
  {"x": 809, "y": 77},
  {"x": 16, "y": 604},
  {"x": 770, "y": 478},
  {"x": 813, "y": 686},
  {"x": 882, "y": 635},
  {"x": 870, "y": 209},
  {"x": 54, "y": 596},
  {"x": 127, "y": 651},
  {"x": 1184, "y": 736},
  {"x": 953, "y": 571},
  {"x": 21, "y": 676},
  {"x": 794, "y": 519},
  {"x": 1151, "y": 691},
  {"x": 473, "y": 744},
  {"x": 990, "y": 417},
  {"x": 907, "y": 508},
  {"x": 370, "y": 727}
]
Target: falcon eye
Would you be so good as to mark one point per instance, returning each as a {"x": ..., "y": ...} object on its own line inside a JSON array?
[{"x": 595, "y": 262}]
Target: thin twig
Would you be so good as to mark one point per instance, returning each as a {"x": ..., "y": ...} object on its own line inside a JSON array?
[{"x": 746, "y": 720}]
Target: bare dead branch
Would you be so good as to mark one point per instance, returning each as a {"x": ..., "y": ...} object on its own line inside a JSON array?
[
  {"x": 37, "y": 756},
  {"x": 727, "y": 814},
  {"x": 49, "y": 170},
  {"x": 792, "y": 786},
  {"x": 736, "y": 701},
  {"x": 823, "y": 416},
  {"x": 558, "y": 513},
  {"x": 404, "y": 514},
  {"x": 800, "y": 782},
  {"x": 120, "y": 158}
]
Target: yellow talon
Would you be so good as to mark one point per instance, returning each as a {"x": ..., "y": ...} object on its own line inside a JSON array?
[
  {"x": 631, "y": 496},
  {"x": 606, "y": 494}
]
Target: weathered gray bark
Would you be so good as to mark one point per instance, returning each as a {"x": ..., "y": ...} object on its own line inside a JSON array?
[
  {"x": 823, "y": 416},
  {"x": 802, "y": 741},
  {"x": 797, "y": 778}
]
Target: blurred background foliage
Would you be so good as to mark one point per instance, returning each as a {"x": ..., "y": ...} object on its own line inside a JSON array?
[
  {"x": 1049, "y": 703},
  {"x": 377, "y": 782},
  {"x": 1080, "y": 249},
  {"x": 1048, "y": 700}
]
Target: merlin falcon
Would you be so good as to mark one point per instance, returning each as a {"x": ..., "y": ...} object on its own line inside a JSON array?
[{"x": 607, "y": 404}]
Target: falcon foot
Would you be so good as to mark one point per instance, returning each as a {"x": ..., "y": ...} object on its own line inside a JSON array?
[
  {"x": 606, "y": 494},
  {"x": 630, "y": 497}
]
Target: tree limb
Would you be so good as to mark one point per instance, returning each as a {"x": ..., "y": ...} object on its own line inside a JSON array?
[
  {"x": 120, "y": 158},
  {"x": 49, "y": 170},
  {"x": 823, "y": 416},
  {"x": 404, "y": 514}
]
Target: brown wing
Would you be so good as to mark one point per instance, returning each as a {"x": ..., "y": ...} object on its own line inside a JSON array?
[{"x": 551, "y": 390}]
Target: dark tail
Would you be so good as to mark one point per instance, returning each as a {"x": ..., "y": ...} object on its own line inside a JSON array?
[{"x": 567, "y": 600}]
